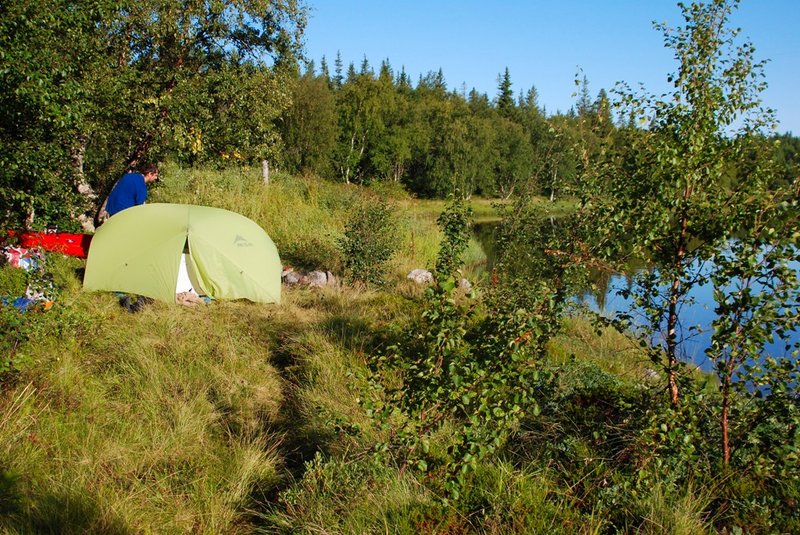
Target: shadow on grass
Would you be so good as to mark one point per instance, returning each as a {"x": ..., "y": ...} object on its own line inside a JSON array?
[
  {"x": 300, "y": 440},
  {"x": 368, "y": 326},
  {"x": 22, "y": 511},
  {"x": 347, "y": 333},
  {"x": 351, "y": 333}
]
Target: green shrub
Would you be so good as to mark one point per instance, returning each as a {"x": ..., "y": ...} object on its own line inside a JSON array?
[
  {"x": 454, "y": 224},
  {"x": 370, "y": 241},
  {"x": 475, "y": 366}
]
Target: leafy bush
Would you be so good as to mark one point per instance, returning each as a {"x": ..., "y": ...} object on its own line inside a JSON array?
[
  {"x": 370, "y": 240},
  {"x": 454, "y": 223},
  {"x": 473, "y": 367}
]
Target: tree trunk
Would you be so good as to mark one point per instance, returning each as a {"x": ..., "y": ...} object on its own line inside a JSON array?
[
  {"x": 726, "y": 401},
  {"x": 674, "y": 295},
  {"x": 77, "y": 154},
  {"x": 727, "y": 383},
  {"x": 349, "y": 155},
  {"x": 265, "y": 171},
  {"x": 672, "y": 338},
  {"x": 31, "y": 215},
  {"x": 726, "y": 404}
]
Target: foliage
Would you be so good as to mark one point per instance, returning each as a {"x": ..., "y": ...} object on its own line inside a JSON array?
[
  {"x": 309, "y": 126},
  {"x": 46, "y": 316},
  {"x": 454, "y": 224},
  {"x": 460, "y": 367},
  {"x": 369, "y": 242},
  {"x": 480, "y": 374},
  {"x": 432, "y": 140},
  {"x": 757, "y": 292},
  {"x": 698, "y": 194},
  {"x": 50, "y": 63},
  {"x": 672, "y": 195},
  {"x": 87, "y": 92}
]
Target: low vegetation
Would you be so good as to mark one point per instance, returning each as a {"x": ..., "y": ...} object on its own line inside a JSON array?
[{"x": 234, "y": 417}]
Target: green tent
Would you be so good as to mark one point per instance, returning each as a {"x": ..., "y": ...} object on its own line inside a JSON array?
[{"x": 139, "y": 251}]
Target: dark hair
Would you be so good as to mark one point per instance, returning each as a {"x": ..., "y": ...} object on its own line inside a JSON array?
[{"x": 146, "y": 168}]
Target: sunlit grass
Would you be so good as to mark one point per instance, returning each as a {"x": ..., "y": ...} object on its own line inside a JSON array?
[
  {"x": 305, "y": 216},
  {"x": 610, "y": 350},
  {"x": 155, "y": 421},
  {"x": 237, "y": 418}
]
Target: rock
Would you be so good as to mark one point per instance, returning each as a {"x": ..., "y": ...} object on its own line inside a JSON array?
[
  {"x": 465, "y": 285},
  {"x": 314, "y": 279},
  {"x": 421, "y": 276},
  {"x": 291, "y": 277},
  {"x": 331, "y": 279},
  {"x": 317, "y": 279}
]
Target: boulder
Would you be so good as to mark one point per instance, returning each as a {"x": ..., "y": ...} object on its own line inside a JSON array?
[
  {"x": 314, "y": 279},
  {"x": 317, "y": 279},
  {"x": 331, "y": 279},
  {"x": 291, "y": 277},
  {"x": 421, "y": 276}
]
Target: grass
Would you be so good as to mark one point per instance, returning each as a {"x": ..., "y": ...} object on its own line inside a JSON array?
[
  {"x": 155, "y": 421},
  {"x": 610, "y": 350},
  {"x": 239, "y": 418}
]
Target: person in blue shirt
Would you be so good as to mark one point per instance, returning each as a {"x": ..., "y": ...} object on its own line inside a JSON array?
[{"x": 131, "y": 190}]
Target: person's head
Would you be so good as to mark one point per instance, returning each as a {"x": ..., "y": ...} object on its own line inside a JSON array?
[{"x": 150, "y": 172}]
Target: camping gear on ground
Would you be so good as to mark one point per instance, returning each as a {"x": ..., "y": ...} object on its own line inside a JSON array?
[
  {"x": 134, "y": 304},
  {"x": 60, "y": 242},
  {"x": 139, "y": 251},
  {"x": 23, "y": 258},
  {"x": 23, "y": 304}
]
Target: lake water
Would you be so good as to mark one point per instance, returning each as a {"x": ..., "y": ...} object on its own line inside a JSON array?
[{"x": 695, "y": 318}]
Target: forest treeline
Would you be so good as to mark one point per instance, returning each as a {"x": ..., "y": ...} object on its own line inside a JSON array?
[
  {"x": 89, "y": 90},
  {"x": 363, "y": 126}
]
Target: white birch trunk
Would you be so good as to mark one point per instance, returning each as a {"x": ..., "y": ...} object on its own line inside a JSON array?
[{"x": 265, "y": 171}]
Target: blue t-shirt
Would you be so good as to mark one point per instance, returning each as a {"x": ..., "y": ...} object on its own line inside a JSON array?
[{"x": 131, "y": 190}]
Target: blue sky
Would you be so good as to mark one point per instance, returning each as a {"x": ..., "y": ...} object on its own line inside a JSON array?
[{"x": 545, "y": 43}]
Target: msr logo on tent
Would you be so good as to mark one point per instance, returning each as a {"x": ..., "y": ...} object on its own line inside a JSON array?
[{"x": 241, "y": 242}]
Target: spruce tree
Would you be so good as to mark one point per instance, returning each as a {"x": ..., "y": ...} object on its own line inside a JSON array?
[
  {"x": 338, "y": 79},
  {"x": 505, "y": 96}
]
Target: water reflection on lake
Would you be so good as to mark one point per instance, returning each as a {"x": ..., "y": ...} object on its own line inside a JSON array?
[{"x": 695, "y": 318}]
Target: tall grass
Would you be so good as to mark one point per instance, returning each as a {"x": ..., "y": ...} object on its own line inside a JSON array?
[
  {"x": 155, "y": 421},
  {"x": 240, "y": 418},
  {"x": 304, "y": 216}
]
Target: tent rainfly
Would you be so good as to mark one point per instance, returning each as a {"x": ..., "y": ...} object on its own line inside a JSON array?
[{"x": 139, "y": 251}]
